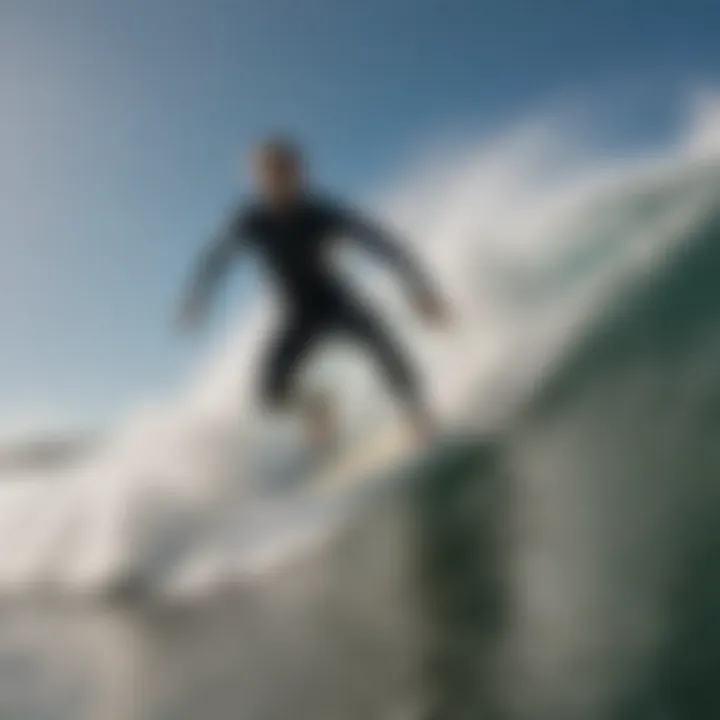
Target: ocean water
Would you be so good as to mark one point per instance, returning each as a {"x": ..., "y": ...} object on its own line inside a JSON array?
[{"x": 552, "y": 557}]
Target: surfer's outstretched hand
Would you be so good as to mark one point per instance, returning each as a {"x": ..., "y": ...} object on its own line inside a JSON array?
[
  {"x": 190, "y": 317},
  {"x": 434, "y": 309}
]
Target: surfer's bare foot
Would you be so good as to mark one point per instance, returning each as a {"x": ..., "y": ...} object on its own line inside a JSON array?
[
  {"x": 320, "y": 416},
  {"x": 424, "y": 425}
]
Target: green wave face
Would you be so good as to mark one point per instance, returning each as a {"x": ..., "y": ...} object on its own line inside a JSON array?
[{"x": 614, "y": 467}]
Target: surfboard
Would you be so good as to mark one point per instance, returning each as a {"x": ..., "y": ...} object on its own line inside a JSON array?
[{"x": 379, "y": 452}]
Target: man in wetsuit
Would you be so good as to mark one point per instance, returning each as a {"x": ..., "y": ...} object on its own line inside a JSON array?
[{"x": 294, "y": 231}]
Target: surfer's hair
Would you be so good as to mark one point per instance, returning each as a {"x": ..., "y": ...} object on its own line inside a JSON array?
[{"x": 280, "y": 149}]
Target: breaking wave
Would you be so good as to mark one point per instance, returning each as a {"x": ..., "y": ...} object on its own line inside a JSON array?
[{"x": 535, "y": 237}]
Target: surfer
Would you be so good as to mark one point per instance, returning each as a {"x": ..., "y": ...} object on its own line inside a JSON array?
[{"x": 293, "y": 230}]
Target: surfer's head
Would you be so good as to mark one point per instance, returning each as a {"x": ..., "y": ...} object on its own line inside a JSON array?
[{"x": 278, "y": 171}]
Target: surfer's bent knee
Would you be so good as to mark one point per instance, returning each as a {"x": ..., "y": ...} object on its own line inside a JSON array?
[{"x": 276, "y": 395}]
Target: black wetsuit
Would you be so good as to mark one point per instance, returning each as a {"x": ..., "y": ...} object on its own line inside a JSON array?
[{"x": 295, "y": 244}]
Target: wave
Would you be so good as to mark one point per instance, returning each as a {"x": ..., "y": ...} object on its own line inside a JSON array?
[
  {"x": 614, "y": 466},
  {"x": 554, "y": 560},
  {"x": 533, "y": 240}
]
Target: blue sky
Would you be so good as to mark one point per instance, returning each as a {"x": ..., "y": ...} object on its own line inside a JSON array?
[{"x": 122, "y": 123}]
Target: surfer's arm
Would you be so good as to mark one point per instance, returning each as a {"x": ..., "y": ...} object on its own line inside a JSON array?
[
  {"x": 383, "y": 244},
  {"x": 210, "y": 269}
]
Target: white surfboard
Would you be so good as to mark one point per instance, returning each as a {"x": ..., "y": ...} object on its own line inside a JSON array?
[{"x": 377, "y": 453}]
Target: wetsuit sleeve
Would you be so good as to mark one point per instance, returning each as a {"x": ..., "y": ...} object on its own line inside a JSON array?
[
  {"x": 385, "y": 245},
  {"x": 215, "y": 260}
]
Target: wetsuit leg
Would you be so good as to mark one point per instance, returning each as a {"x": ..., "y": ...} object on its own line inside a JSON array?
[
  {"x": 367, "y": 329},
  {"x": 285, "y": 355}
]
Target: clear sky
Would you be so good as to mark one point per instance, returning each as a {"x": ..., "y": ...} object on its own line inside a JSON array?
[{"x": 121, "y": 123}]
